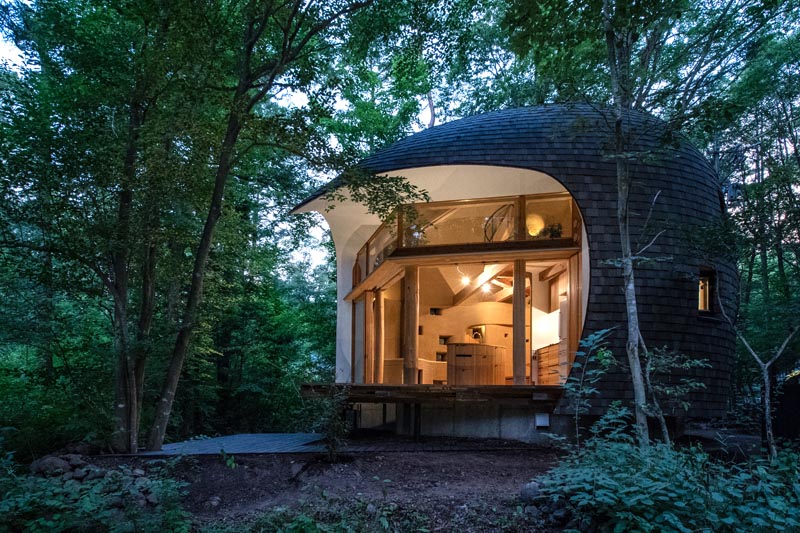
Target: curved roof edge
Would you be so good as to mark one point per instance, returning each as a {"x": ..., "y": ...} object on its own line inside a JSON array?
[{"x": 523, "y": 137}]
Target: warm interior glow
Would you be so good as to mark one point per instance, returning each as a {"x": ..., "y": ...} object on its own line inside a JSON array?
[
  {"x": 534, "y": 224},
  {"x": 465, "y": 280},
  {"x": 486, "y": 287},
  {"x": 703, "y": 297}
]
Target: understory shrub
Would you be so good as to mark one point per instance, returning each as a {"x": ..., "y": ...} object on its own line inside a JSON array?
[
  {"x": 612, "y": 484},
  {"x": 116, "y": 502}
]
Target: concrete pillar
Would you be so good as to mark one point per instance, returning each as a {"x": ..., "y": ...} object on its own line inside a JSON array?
[
  {"x": 411, "y": 326},
  {"x": 520, "y": 351}
]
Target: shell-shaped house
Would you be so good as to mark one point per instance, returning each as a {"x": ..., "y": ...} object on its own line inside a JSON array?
[{"x": 463, "y": 315}]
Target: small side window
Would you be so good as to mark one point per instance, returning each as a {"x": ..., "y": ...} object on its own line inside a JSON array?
[{"x": 705, "y": 294}]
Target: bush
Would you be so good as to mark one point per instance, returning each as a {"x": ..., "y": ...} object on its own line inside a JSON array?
[
  {"x": 118, "y": 502},
  {"x": 614, "y": 485}
]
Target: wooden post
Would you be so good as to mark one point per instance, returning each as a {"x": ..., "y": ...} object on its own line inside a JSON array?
[
  {"x": 411, "y": 326},
  {"x": 378, "y": 313},
  {"x": 369, "y": 336},
  {"x": 575, "y": 306},
  {"x": 518, "y": 317}
]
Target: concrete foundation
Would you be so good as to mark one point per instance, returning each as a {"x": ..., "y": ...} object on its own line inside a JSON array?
[{"x": 466, "y": 420}]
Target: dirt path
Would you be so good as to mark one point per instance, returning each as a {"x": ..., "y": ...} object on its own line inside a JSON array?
[{"x": 472, "y": 489}]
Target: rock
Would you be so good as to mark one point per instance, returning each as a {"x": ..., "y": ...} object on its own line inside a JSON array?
[
  {"x": 94, "y": 472},
  {"x": 73, "y": 459},
  {"x": 560, "y": 516},
  {"x": 115, "y": 501},
  {"x": 141, "y": 482},
  {"x": 371, "y": 509},
  {"x": 67, "y": 476},
  {"x": 213, "y": 502},
  {"x": 137, "y": 472},
  {"x": 79, "y": 473},
  {"x": 533, "y": 512},
  {"x": 530, "y": 492},
  {"x": 297, "y": 469},
  {"x": 50, "y": 465},
  {"x": 152, "y": 499}
]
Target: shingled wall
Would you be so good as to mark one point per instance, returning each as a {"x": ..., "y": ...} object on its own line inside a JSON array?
[{"x": 572, "y": 144}]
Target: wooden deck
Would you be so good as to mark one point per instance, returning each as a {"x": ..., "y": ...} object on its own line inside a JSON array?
[{"x": 539, "y": 396}]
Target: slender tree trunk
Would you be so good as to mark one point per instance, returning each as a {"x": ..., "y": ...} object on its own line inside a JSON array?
[
  {"x": 167, "y": 396},
  {"x": 618, "y": 50},
  {"x": 748, "y": 286},
  {"x": 632, "y": 311},
  {"x": 767, "y": 385},
  {"x": 126, "y": 413}
]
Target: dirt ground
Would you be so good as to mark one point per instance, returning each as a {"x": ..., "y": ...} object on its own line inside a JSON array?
[{"x": 457, "y": 490}]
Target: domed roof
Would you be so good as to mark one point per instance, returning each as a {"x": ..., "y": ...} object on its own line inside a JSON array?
[
  {"x": 557, "y": 139},
  {"x": 528, "y": 137}
]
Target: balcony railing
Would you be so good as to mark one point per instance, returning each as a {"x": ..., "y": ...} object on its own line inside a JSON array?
[{"x": 522, "y": 218}]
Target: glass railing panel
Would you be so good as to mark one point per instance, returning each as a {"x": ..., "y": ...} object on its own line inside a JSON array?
[
  {"x": 360, "y": 268},
  {"x": 462, "y": 223},
  {"x": 548, "y": 218},
  {"x": 382, "y": 244}
]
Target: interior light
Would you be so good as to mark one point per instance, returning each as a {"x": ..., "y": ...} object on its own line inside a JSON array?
[
  {"x": 534, "y": 224},
  {"x": 486, "y": 287},
  {"x": 464, "y": 278}
]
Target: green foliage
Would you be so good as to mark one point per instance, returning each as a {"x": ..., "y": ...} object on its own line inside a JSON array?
[
  {"x": 341, "y": 517},
  {"x": 382, "y": 195},
  {"x": 662, "y": 366},
  {"x": 333, "y": 423},
  {"x": 356, "y": 515},
  {"x": 592, "y": 361},
  {"x": 56, "y": 387},
  {"x": 116, "y": 502},
  {"x": 228, "y": 459},
  {"x": 620, "y": 486}
]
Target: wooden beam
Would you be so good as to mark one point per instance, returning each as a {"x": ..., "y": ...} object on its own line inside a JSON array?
[
  {"x": 377, "y": 370},
  {"x": 411, "y": 326},
  {"x": 382, "y": 276},
  {"x": 520, "y": 347},
  {"x": 541, "y": 396},
  {"x": 552, "y": 272},
  {"x": 461, "y": 254},
  {"x": 489, "y": 273}
]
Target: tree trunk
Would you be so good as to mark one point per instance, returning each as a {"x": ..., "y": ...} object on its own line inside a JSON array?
[
  {"x": 167, "y": 396},
  {"x": 126, "y": 403},
  {"x": 767, "y": 411},
  {"x": 618, "y": 50}
]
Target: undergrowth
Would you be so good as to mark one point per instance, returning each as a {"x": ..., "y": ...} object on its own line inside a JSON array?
[
  {"x": 113, "y": 503},
  {"x": 613, "y": 484},
  {"x": 361, "y": 516}
]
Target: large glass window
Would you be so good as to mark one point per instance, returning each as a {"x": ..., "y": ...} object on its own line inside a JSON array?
[{"x": 471, "y": 222}]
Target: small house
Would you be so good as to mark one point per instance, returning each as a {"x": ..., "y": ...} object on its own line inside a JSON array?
[{"x": 464, "y": 317}]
